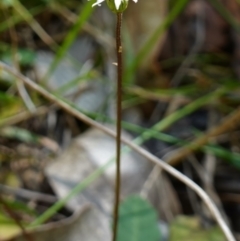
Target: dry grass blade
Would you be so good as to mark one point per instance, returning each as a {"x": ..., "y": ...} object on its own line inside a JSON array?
[
  {"x": 99, "y": 35},
  {"x": 46, "y": 38},
  {"x": 22, "y": 116},
  {"x": 226, "y": 124},
  {"x": 202, "y": 194}
]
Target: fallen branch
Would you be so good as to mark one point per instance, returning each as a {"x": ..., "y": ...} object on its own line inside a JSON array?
[{"x": 178, "y": 175}]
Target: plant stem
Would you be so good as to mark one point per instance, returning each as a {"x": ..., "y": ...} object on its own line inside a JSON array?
[
  {"x": 119, "y": 118},
  {"x": 234, "y": 117}
]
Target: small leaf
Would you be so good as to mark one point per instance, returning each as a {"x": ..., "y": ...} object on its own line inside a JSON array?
[
  {"x": 189, "y": 228},
  {"x": 8, "y": 227},
  {"x": 19, "y": 134},
  {"x": 9, "y": 105},
  {"x": 137, "y": 221},
  {"x": 7, "y": 3},
  {"x": 25, "y": 57}
]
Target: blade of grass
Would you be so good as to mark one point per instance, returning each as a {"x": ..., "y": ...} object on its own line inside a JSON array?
[
  {"x": 76, "y": 190},
  {"x": 226, "y": 14},
  {"x": 83, "y": 78},
  {"x": 208, "y": 202},
  {"x": 27, "y": 16},
  {"x": 176, "y": 10},
  {"x": 15, "y": 19},
  {"x": 139, "y": 140},
  {"x": 162, "y": 94},
  {"x": 232, "y": 157},
  {"x": 83, "y": 16},
  {"x": 186, "y": 110}
]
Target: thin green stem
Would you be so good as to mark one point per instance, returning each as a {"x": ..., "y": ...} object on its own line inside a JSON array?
[{"x": 119, "y": 118}]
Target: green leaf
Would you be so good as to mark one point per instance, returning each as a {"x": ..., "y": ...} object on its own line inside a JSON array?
[
  {"x": 189, "y": 228},
  {"x": 17, "y": 206},
  {"x": 9, "y": 105},
  {"x": 8, "y": 227},
  {"x": 9, "y": 230},
  {"x": 7, "y": 3},
  {"x": 19, "y": 134},
  {"x": 137, "y": 221},
  {"x": 25, "y": 56}
]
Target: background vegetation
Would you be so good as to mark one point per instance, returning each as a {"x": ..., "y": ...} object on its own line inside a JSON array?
[{"x": 181, "y": 101}]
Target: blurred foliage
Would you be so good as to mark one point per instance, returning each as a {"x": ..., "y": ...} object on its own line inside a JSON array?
[
  {"x": 9, "y": 105},
  {"x": 214, "y": 81},
  {"x": 137, "y": 221},
  {"x": 186, "y": 228}
]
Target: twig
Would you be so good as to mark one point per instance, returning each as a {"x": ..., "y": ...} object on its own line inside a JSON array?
[
  {"x": 31, "y": 195},
  {"x": 178, "y": 175}
]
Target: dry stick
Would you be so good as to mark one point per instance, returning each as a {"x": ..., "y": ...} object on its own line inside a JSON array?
[
  {"x": 119, "y": 119},
  {"x": 27, "y": 194},
  {"x": 178, "y": 175},
  {"x": 227, "y": 124}
]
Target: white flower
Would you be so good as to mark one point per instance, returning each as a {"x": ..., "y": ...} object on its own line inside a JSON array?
[{"x": 117, "y": 2}]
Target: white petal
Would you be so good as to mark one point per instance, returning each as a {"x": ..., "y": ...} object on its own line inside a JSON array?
[
  {"x": 118, "y": 3},
  {"x": 98, "y": 2},
  {"x": 135, "y": 1}
]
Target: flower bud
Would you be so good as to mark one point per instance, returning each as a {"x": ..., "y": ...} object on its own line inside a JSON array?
[{"x": 112, "y": 4}]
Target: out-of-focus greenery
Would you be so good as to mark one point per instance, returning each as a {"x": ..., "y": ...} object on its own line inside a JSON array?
[{"x": 222, "y": 88}]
